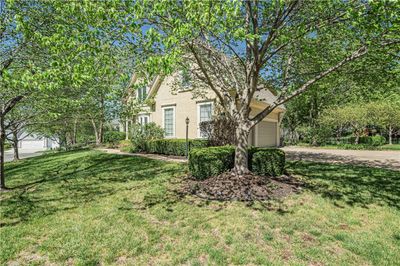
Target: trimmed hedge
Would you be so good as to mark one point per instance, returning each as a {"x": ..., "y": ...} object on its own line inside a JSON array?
[
  {"x": 267, "y": 162},
  {"x": 211, "y": 161},
  {"x": 376, "y": 140},
  {"x": 172, "y": 146}
]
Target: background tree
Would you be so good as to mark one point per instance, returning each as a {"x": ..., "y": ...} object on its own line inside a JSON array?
[{"x": 386, "y": 114}]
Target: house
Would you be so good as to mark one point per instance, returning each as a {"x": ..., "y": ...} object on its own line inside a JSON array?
[
  {"x": 169, "y": 108},
  {"x": 35, "y": 142}
]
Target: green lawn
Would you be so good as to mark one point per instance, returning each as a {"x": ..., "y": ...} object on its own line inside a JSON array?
[{"x": 90, "y": 208}]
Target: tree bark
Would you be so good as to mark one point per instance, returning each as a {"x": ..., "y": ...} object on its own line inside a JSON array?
[
  {"x": 357, "y": 140},
  {"x": 2, "y": 141},
  {"x": 241, "y": 150},
  {"x": 74, "y": 131},
  {"x": 126, "y": 129},
  {"x": 390, "y": 135},
  {"x": 15, "y": 145},
  {"x": 98, "y": 132}
]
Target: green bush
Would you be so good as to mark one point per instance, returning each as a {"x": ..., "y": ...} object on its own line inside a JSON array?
[
  {"x": 377, "y": 140},
  {"x": 267, "y": 162},
  {"x": 172, "y": 146},
  {"x": 211, "y": 161},
  {"x": 113, "y": 137},
  {"x": 141, "y": 134},
  {"x": 206, "y": 162},
  {"x": 125, "y": 146},
  {"x": 7, "y": 146}
]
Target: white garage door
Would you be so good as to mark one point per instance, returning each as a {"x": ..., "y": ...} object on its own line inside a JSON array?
[
  {"x": 266, "y": 134},
  {"x": 32, "y": 144}
]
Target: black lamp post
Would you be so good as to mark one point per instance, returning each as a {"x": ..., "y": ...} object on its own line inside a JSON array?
[{"x": 187, "y": 136}]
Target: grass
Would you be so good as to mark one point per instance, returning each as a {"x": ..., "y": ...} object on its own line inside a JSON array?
[
  {"x": 386, "y": 147},
  {"x": 90, "y": 208}
]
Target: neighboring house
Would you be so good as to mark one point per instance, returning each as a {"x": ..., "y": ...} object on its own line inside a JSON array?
[
  {"x": 169, "y": 109},
  {"x": 31, "y": 141}
]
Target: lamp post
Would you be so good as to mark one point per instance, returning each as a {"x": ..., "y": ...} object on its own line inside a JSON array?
[{"x": 187, "y": 136}]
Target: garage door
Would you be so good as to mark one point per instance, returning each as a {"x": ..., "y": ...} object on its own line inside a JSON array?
[
  {"x": 266, "y": 134},
  {"x": 32, "y": 144}
]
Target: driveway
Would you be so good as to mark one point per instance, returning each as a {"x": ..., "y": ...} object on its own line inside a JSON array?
[
  {"x": 385, "y": 159},
  {"x": 23, "y": 153}
]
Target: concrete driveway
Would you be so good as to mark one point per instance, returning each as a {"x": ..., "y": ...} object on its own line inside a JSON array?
[
  {"x": 385, "y": 159},
  {"x": 23, "y": 153}
]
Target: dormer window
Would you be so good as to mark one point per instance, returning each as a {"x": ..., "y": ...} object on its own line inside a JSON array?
[
  {"x": 186, "y": 79},
  {"x": 142, "y": 93}
]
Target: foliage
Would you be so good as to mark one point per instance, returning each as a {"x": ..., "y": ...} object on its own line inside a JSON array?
[
  {"x": 219, "y": 130},
  {"x": 113, "y": 137},
  {"x": 175, "y": 147},
  {"x": 212, "y": 161},
  {"x": 126, "y": 146},
  {"x": 7, "y": 146},
  {"x": 143, "y": 133},
  {"x": 377, "y": 140},
  {"x": 267, "y": 162}
]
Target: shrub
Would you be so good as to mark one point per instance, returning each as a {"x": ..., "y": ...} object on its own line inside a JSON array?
[
  {"x": 144, "y": 133},
  {"x": 206, "y": 162},
  {"x": 267, "y": 162},
  {"x": 113, "y": 137},
  {"x": 211, "y": 161},
  {"x": 7, "y": 146},
  {"x": 172, "y": 146},
  {"x": 377, "y": 140},
  {"x": 219, "y": 130},
  {"x": 125, "y": 146}
]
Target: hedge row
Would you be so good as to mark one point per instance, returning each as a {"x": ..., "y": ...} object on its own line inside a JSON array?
[
  {"x": 376, "y": 140},
  {"x": 211, "y": 161},
  {"x": 172, "y": 146}
]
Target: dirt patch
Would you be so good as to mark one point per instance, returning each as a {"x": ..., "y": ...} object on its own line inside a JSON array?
[{"x": 249, "y": 187}]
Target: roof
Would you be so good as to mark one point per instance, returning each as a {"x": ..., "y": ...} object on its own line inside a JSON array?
[{"x": 261, "y": 96}]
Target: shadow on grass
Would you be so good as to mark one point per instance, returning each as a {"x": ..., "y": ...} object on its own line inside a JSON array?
[
  {"x": 354, "y": 185},
  {"x": 63, "y": 181}
]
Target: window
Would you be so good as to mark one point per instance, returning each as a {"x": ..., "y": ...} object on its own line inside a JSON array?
[
  {"x": 204, "y": 113},
  {"x": 169, "y": 121},
  {"x": 185, "y": 79},
  {"x": 143, "y": 119},
  {"x": 141, "y": 94}
]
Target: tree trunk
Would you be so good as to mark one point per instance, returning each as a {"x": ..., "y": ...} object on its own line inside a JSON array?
[
  {"x": 390, "y": 135},
  {"x": 241, "y": 151},
  {"x": 126, "y": 129},
  {"x": 97, "y": 132},
  {"x": 74, "y": 131},
  {"x": 357, "y": 140},
  {"x": 2, "y": 141},
  {"x": 15, "y": 145}
]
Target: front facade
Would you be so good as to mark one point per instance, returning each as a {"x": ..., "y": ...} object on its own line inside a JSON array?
[{"x": 170, "y": 108}]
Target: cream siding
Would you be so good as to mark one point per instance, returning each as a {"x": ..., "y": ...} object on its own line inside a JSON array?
[{"x": 266, "y": 133}]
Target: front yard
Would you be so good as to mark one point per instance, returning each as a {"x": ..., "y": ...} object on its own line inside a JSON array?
[{"x": 90, "y": 208}]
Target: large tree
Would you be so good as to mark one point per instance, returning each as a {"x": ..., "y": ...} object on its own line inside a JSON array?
[
  {"x": 45, "y": 47},
  {"x": 236, "y": 48}
]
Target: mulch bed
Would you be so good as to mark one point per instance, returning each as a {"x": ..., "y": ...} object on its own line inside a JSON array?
[{"x": 249, "y": 187}]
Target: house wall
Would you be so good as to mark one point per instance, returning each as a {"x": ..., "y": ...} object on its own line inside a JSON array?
[{"x": 186, "y": 105}]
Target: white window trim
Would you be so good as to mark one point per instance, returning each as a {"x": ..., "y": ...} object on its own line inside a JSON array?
[
  {"x": 173, "y": 107},
  {"x": 198, "y": 115},
  {"x": 144, "y": 115}
]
